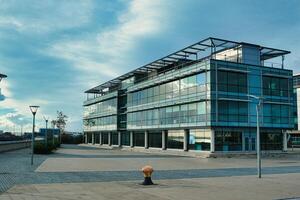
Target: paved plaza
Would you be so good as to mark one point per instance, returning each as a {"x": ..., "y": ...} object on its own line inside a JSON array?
[{"x": 81, "y": 172}]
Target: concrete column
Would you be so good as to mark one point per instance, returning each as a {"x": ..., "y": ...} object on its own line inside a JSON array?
[
  {"x": 243, "y": 141},
  {"x": 212, "y": 143},
  {"x": 146, "y": 140},
  {"x": 93, "y": 138},
  {"x": 284, "y": 134},
  {"x": 85, "y": 138},
  {"x": 109, "y": 138},
  {"x": 100, "y": 138},
  {"x": 186, "y": 140},
  {"x": 131, "y": 139},
  {"x": 164, "y": 140},
  {"x": 119, "y": 139}
]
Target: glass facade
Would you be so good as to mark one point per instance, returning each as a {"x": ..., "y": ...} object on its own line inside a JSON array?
[
  {"x": 187, "y": 114},
  {"x": 233, "y": 111},
  {"x": 155, "y": 139},
  {"x": 102, "y": 123},
  {"x": 232, "y": 82},
  {"x": 103, "y": 107},
  {"x": 191, "y": 85},
  {"x": 125, "y": 138},
  {"x": 104, "y": 138},
  {"x": 205, "y": 97},
  {"x": 139, "y": 139},
  {"x": 228, "y": 141},
  {"x": 199, "y": 139},
  {"x": 271, "y": 141},
  {"x": 97, "y": 138},
  {"x": 114, "y": 138},
  {"x": 100, "y": 116},
  {"x": 275, "y": 86},
  {"x": 175, "y": 139}
]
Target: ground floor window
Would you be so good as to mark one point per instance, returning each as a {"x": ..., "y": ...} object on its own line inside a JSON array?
[
  {"x": 97, "y": 138},
  {"x": 228, "y": 141},
  {"x": 114, "y": 139},
  {"x": 89, "y": 137},
  {"x": 271, "y": 141},
  {"x": 139, "y": 139},
  {"x": 200, "y": 140},
  {"x": 155, "y": 139},
  {"x": 175, "y": 139},
  {"x": 104, "y": 138},
  {"x": 125, "y": 138}
]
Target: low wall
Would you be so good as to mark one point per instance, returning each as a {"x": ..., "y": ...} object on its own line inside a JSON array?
[{"x": 14, "y": 145}]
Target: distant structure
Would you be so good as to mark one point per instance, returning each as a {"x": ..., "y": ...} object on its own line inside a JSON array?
[
  {"x": 198, "y": 99},
  {"x": 2, "y": 97},
  {"x": 294, "y": 136}
]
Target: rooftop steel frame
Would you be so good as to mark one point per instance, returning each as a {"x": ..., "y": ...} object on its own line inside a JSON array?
[{"x": 190, "y": 53}]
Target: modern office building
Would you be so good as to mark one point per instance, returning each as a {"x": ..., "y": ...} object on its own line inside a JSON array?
[{"x": 198, "y": 99}]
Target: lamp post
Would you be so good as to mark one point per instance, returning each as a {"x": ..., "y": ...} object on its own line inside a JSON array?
[
  {"x": 33, "y": 110},
  {"x": 258, "y": 107},
  {"x": 46, "y": 134}
]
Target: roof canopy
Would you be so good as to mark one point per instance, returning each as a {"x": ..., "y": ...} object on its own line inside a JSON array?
[{"x": 209, "y": 45}]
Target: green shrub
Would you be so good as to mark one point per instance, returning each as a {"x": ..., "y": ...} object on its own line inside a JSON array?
[
  {"x": 41, "y": 148},
  {"x": 71, "y": 139}
]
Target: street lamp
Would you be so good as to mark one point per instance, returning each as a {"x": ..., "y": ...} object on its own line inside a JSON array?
[
  {"x": 258, "y": 107},
  {"x": 46, "y": 134},
  {"x": 33, "y": 110}
]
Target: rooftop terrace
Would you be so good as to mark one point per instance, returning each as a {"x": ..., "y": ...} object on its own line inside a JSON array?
[{"x": 213, "y": 48}]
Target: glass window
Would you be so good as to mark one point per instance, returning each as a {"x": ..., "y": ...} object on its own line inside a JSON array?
[
  {"x": 125, "y": 138},
  {"x": 175, "y": 114},
  {"x": 169, "y": 119},
  {"x": 200, "y": 139},
  {"x": 201, "y": 108},
  {"x": 228, "y": 141},
  {"x": 200, "y": 79},
  {"x": 271, "y": 141},
  {"x": 155, "y": 139},
  {"x": 156, "y": 93},
  {"x": 162, "y": 92},
  {"x": 104, "y": 138},
  {"x": 139, "y": 139},
  {"x": 184, "y": 113},
  {"x": 175, "y": 139},
  {"x": 162, "y": 116},
  {"x": 192, "y": 112},
  {"x": 175, "y": 85},
  {"x": 114, "y": 138}
]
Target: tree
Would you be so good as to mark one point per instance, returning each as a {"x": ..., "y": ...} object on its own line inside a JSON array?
[
  {"x": 53, "y": 123},
  {"x": 60, "y": 121}
]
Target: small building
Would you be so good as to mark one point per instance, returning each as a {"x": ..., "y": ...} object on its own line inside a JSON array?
[{"x": 197, "y": 99}]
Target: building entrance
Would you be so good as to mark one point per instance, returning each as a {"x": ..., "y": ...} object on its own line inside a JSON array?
[{"x": 250, "y": 143}]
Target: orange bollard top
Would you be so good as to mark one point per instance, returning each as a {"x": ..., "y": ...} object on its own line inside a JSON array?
[{"x": 147, "y": 170}]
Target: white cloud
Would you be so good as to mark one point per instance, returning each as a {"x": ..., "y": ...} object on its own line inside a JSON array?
[
  {"x": 106, "y": 52},
  {"x": 100, "y": 54},
  {"x": 44, "y": 16}
]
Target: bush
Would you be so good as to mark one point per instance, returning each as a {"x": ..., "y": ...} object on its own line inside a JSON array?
[
  {"x": 71, "y": 139},
  {"x": 41, "y": 148}
]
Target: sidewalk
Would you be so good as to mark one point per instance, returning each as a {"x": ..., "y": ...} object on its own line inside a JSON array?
[{"x": 246, "y": 187}]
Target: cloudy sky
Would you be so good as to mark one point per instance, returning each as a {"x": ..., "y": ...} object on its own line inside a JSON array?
[{"x": 54, "y": 50}]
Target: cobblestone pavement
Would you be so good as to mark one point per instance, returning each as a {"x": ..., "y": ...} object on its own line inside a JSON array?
[{"x": 15, "y": 168}]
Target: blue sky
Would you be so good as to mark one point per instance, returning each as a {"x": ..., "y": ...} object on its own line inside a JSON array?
[{"x": 52, "y": 51}]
